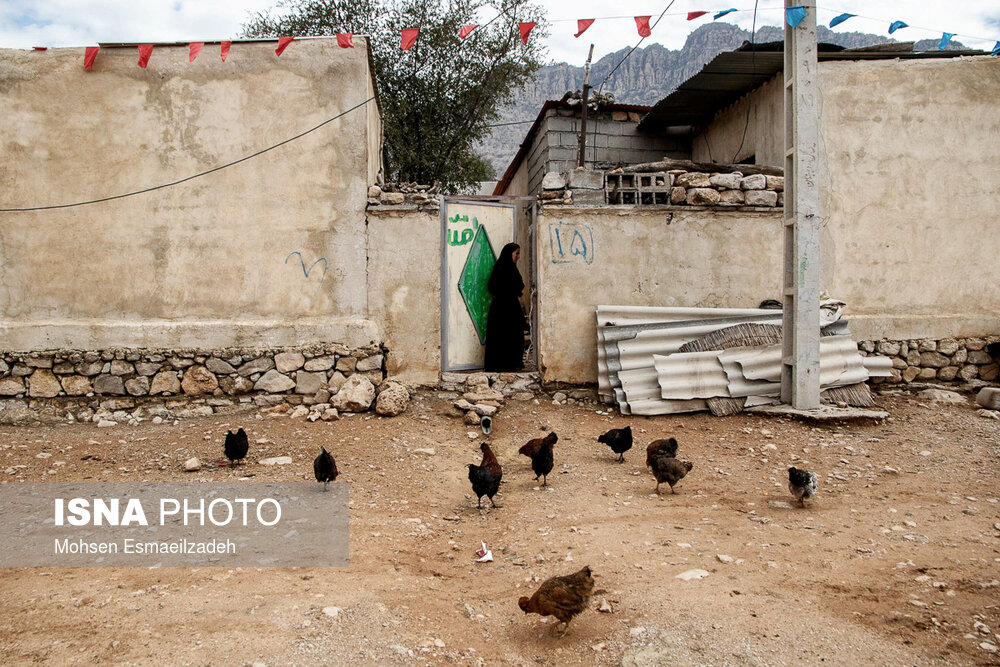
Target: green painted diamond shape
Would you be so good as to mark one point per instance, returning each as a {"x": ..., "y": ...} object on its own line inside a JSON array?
[{"x": 472, "y": 284}]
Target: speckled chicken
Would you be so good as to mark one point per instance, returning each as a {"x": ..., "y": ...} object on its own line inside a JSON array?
[
  {"x": 619, "y": 440},
  {"x": 539, "y": 451},
  {"x": 802, "y": 484},
  {"x": 563, "y": 597},
  {"x": 668, "y": 469}
]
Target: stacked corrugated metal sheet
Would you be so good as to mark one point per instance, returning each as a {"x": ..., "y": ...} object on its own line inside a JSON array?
[{"x": 642, "y": 368}]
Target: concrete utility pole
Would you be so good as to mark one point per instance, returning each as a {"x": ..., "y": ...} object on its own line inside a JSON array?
[
  {"x": 800, "y": 296},
  {"x": 583, "y": 121}
]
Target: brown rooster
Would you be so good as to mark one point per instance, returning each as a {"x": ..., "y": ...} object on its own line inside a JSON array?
[
  {"x": 532, "y": 446},
  {"x": 666, "y": 447},
  {"x": 562, "y": 597},
  {"x": 486, "y": 476},
  {"x": 539, "y": 451}
]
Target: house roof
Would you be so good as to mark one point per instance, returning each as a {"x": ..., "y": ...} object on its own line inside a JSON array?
[
  {"x": 732, "y": 74},
  {"x": 525, "y": 146}
]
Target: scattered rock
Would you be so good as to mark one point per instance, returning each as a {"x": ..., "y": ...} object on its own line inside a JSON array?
[
  {"x": 779, "y": 505},
  {"x": 392, "y": 400},
  {"x": 192, "y": 464},
  {"x": 276, "y": 461},
  {"x": 356, "y": 395},
  {"x": 605, "y": 607},
  {"x": 941, "y": 395},
  {"x": 725, "y": 559},
  {"x": 332, "y": 612},
  {"x": 427, "y": 451},
  {"x": 692, "y": 574}
]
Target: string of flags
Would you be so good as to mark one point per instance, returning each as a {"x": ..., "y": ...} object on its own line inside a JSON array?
[
  {"x": 408, "y": 36},
  {"x": 794, "y": 16}
]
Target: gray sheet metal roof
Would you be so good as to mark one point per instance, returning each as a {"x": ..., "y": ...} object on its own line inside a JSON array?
[{"x": 732, "y": 74}]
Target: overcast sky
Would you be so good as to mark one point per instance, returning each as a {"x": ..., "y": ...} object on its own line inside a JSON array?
[{"x": 27, "y": 23}]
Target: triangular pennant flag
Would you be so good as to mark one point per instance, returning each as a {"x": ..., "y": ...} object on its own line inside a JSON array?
[
  {"x": 642, "y": 25},
  {"x": 194, "y": 49},
  {"x": 525, "y": 28},
  {"x": 996, "y": 50},
  {"x": 225, "y": 50},
  {"x": 91, "y": 52},
  {"x": 283, "y": 43},
  {"x": 945, "y": 38},
  {"x": 840, "y": 19},
  {"x": 693, "y": 15},
  {"x": 582, "y": 25},
  {"x": 723, "y": 13},
  {"x": 409, "y": 38},
  {"x": 466, "y": 30},
  {"x": 145, "y": 51},
  {"x": 345, "y": 40},
  {"x": 896, "y": 25},
  {"x": 794, "y": 15}
]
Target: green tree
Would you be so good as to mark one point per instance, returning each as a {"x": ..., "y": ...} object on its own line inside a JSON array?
[{"x": 440, "y": 97}]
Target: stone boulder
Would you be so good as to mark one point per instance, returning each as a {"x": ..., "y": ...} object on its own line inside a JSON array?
[
  {"x": 286, "y": 362},
  {"x": 198, "y": 380},
  {"x": 165, "y": 382},
  {"x": 43, "y": 384},
  {"x": 703, "y": 196},
  {"x": 274, "y": 382},
  {"x": 11, "y": 387},
  {"x": 693, "y": 179},
  {"x": 76, "y": 385},
  {"x": 356, "y": 395},
  {"x": 392, "y": 400}
]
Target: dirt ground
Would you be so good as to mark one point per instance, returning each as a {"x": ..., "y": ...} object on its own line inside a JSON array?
[{"x": 896, "y": 560}]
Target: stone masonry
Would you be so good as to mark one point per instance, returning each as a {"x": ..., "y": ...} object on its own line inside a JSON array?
[
  {"x": 945, "y": 360},
  {"x": 79, "y": 385}
]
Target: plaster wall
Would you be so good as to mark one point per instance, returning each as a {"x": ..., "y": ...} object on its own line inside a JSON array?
[
  {"x": 908, "y": 184},
  {"x": 404, "y": 291},
  {"x": 655, "y": 257},
  {"x": 266, "y": 252}
]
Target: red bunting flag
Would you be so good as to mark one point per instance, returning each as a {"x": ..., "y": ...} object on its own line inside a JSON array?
[
  {"x": 642, "y": 23},
  {"x": 194, "y": 48},
  {"x": 525, "y": 29},
  {"x": 88, "y": 56},
  {"x": 40, "y": 48},
  {"x": 145, "y": 51},
  {"x": 408, "y": 38},
  {"x": 225, "y": 50},
  {"x": 693, "y": 15},
  {"x": 345, "y": 40},
  {"x": 466, "y": 30},
  {"x": 283, "y": 43},
  {"x": 582, "y": 25}
]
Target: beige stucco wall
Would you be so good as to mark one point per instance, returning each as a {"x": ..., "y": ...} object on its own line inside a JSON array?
[
  {"x": 404, "y": 291},
  {"x": 721, "y": 141},
  {"x": 659, "y": 257},
  {"x": 207, "y": 263},
  {"x": 909, "y": 183}
]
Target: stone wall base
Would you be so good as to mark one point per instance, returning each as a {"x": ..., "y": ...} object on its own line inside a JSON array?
[
  {"x": 132, "y": 385},
  {"x": 956, "y": 360}
]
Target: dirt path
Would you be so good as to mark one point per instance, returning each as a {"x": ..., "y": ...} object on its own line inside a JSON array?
[{"x": 896, "y": 560}]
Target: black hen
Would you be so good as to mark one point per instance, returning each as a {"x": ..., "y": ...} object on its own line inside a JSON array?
[
  {"x": 325, "y": 468},
  {"x": 802, "y": 484},
  {"x": 666, "y": 447},
  {"x": 486, "y": 476},
  {"x": 619, "y": 440},
  {"x": 236, "y": 446}
]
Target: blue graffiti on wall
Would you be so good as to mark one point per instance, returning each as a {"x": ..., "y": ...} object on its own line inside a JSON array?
[
  {"x": 306, "y": 271},
  {"x": 571, "y": 242}
]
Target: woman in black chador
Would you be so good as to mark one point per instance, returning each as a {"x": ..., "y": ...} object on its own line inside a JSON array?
[{"x": 505, "y": 325}]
